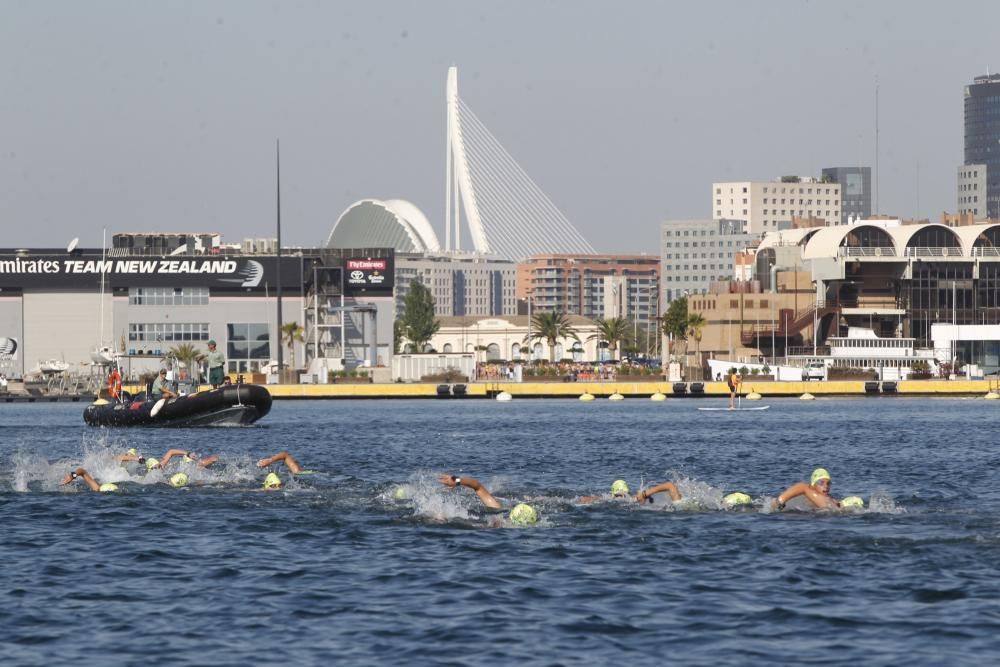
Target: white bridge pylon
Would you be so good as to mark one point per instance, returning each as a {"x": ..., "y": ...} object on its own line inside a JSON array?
[{"x": 508, "y": 214}]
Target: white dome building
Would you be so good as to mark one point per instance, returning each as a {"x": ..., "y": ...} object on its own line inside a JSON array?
[{"x": 392, "y": 223}]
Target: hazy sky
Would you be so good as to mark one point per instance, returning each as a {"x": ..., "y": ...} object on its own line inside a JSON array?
[{"x": 163, "y": 116}]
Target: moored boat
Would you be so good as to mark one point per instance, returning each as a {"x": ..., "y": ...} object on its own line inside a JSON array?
[{"x": 234, "y": 405}]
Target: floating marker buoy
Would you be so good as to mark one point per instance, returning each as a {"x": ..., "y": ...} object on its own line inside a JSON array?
[
  {"x": 616, "y": 397},
  {"x": 586, "y": 397},
  {"x": 658, "y": 396},
  {"x": 807, "y": 397},
  {"x": 753, "y": 396},
  {"x": 991, "y": 396},
  {"x": 504, "y": 396}
]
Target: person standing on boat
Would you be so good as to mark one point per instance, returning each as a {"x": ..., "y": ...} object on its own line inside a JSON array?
[
  {"x": 161, "y": 388},
  {"x": 735, "y": 381},
  {"x": 216, "y": 362}
]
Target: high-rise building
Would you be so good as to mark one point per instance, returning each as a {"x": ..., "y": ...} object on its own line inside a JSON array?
[
  {"x": 594, "y": 286},
  {"x": 855, "y": 190},
  {"x": 982, "y": 136},
  {"x": 768, "y": 206},
  {"x": 696, "y": 252}
]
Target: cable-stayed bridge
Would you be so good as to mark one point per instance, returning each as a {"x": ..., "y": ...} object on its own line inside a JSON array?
[{"x": 508, "y": 215}]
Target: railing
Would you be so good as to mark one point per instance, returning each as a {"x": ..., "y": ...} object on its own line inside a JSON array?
[
  {"x": 986, "y": 251},
  {"x": 857, "y": 251},
  {"x": 919, "y": 251}
]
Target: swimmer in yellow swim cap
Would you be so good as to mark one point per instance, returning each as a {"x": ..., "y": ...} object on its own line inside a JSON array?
[
  {"x": 817, "y": 491},
  {"x": 293, "y": 465},
  {"x": 272, "y": 482},
  {"x": 647, "y": 494},
  {"x": 81, "y": 473},
  {"x": 619, "y": 491},
  {"x": 522, "y": 514},
  {"x": 188, "y": 457}
]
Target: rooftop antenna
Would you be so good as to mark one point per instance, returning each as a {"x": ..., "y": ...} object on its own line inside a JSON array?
[
  {"x": 277, "y": 281},
  {"x": 876, "y": 145}
]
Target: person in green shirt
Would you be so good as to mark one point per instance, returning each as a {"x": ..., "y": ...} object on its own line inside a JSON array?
[{"x": 216, "y": 362}]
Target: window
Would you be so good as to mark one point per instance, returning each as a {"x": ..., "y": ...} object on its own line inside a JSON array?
[
  {"x": 168, "y": 296},
  {"x": 164, "y": 335},
  {"x": 248, "y": 348}
]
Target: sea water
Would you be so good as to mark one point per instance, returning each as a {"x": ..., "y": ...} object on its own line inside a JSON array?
[{"x": 370, "y": 560}]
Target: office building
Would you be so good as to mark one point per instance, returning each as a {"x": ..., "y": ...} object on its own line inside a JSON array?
[
  {"x": 694, "y": 253},
  {"x": 855, "y": 191},
  {"x": 982, "y": 136},
  {"x": 461, "y": 284},
  {"x": 767, "y": 206},
  {"x": 972, "y": 190},
  {"x": 593, "y": 286}
]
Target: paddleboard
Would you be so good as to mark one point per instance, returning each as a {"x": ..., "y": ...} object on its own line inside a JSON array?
[{"x": 762, "y": 407}]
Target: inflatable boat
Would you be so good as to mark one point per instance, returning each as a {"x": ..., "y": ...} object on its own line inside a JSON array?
[{"x": 235, "y": 405}]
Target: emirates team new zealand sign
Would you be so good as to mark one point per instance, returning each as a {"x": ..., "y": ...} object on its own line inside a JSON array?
[{"x": 234, "y": 273}]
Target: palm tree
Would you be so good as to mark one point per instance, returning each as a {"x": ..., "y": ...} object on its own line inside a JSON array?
[
  {"x": 550, "y": 327},
  {"x": 291, "y": 333},
  {"x": 614, "y": 330},
  {"x": 184, "y": 353},
  {"x": 695, "y": 323}
]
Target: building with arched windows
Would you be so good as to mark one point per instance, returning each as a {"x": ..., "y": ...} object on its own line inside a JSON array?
[{"x": 933, "y": 286}]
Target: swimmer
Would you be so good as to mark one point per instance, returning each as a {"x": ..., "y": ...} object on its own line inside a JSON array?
[
  {"x": 81, "y": 473},
  {"x": 647, "y": 494},
  {"x": 151, "y": 463},
  {"x": 189, "y": 457},
  {"x": 452, "y": 481},
  {"x": 619, "y": 491},
  {"x": 293, "y": 465},
  {"x": 522, "y": 514},
  {"x": 817, "y": 491}
]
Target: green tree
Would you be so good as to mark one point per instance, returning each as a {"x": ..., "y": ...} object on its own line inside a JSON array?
[
  {"x": 550, "y": 327},
  {"x": 291, "y": 333},
  {"x": 398, "y": 333},
  {"x": 185, "y": 353},
  {"x": 614, "y": 330},
  {"x": 675, "y": 321},
  {"x": 695, "y": 324},
  {"x": 419, "y": 323}
]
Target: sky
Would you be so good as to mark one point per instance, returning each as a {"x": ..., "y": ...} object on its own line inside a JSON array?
[{"x": 164, "y": 116}]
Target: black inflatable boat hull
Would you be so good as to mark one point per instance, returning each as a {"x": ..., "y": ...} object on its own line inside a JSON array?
[{"x": 237, "y": 405}]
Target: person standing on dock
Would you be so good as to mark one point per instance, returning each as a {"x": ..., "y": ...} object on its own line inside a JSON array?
[
  {"x": 216, "y": 362},
  {"x": 735, "y": 381}
]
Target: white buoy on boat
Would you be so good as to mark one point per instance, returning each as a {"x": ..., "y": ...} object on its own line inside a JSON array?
[{"x": 504, "y": 396}]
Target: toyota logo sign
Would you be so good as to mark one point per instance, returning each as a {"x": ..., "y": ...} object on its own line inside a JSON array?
[{"x": 357, "y": 275}]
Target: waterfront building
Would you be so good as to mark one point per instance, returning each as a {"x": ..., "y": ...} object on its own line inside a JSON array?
[
  {"x": 696, "y": 253},
  {"x": 143, "y": 298},
  {"x": 897, "y": 280},
  {"x": 770, "y": 205},
  {"x": 982, "y": 135},
  {"x": 855, "y": 189},
  {"x": 592, "y": 286}
]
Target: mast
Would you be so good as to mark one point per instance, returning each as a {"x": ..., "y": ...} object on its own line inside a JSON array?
[{"x": 277, "y": 155}]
